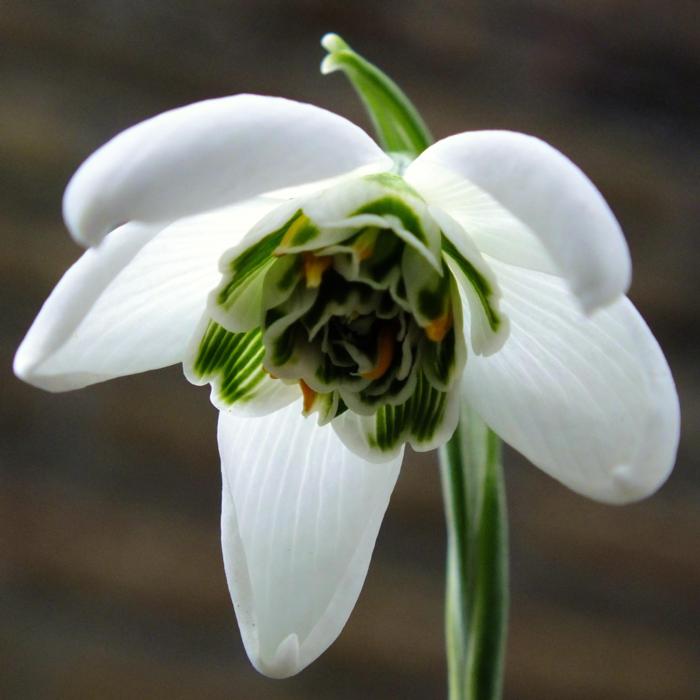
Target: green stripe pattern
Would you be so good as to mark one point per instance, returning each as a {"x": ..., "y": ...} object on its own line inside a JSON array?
[
  {"x": 418, "y": 419},
  {"x": 252, "y": 262},
  {"x": 232, "y": 362},
  {"x": 396, "y": 207}
]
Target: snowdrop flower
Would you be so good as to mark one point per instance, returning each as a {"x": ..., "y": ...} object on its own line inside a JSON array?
[{"x": 341, "y": 303}]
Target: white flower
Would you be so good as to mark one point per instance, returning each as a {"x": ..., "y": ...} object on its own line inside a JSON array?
[{"x": 513, "y": 237}]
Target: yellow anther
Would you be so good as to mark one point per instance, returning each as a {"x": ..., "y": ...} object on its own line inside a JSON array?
[
  {"x": 309, "y": 395},
  {"x": 289, "y": 235},
  {"x": 386, "y": 346},
  {"x": 314, "y": 267},
  {"x": 365, "y": 242},
  {"x": 437, "y": 329}
]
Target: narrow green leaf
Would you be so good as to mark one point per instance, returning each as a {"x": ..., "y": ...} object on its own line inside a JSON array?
[
  {"x": 477, "y": 564},
  {"x": 398, "y": 124}
]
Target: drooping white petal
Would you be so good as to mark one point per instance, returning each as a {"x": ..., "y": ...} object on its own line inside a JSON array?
[
  {"x": 132, "y": 303},
  {"x": 507, "y": 188},
  {"x": 588, "y": 399},
  {"x": 208, "y": 155},
  {"x": 300, "y": 516}
]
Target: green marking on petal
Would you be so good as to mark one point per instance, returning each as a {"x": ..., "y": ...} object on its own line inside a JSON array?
[
  {"x": 427, "y": 291},
  {"x": 283, "y": 336},
  {"x": 443, "y": 361},
  {"x": 394, "y": 182},
  {"x": 298, "y": 234},
  {"x": 248, "y": 268},
  {"x": 326, "y": 406},
  {"x": 396, "y": 207},
  {"x": 432, "y": 302},
  {"x": 281, "y": 280},
  {"x": 482, "y": 287},
  {"x": 439, "y": 359},
  {"x": 232, "y": 362},
  {"x": 417, "y": 420}
]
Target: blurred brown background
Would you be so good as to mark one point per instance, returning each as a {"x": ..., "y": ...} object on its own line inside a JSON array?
[{"x": 111, "y": 584}]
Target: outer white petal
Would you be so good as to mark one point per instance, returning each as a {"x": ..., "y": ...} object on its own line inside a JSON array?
[
  {"x": 540, "y": 189},
  {"x": 588, "y": 399},
  {"x": 300, "y": 517},
  {"x": 132, "y": 303},
  {"x": 211, "y": 154}
]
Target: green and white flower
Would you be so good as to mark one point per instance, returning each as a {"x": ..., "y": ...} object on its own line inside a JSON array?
[{"x": 341, "y": 303}]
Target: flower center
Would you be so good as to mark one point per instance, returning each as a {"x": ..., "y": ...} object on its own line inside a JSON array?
[
  {"x": 338, "y": 320},
  {"x": 348, "y": 299}
]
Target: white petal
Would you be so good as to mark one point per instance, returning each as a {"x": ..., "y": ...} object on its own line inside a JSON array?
[
  {"x": 132, "y": 303},
  {"x": 590, "y": 400},
  {"x": 300, "y": 517},
  {"x": 541, "y": 194},
  {"x": 211, "y": 154}
]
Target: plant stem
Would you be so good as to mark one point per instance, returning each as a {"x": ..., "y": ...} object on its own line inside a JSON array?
[{"x": 477, "y": 561}]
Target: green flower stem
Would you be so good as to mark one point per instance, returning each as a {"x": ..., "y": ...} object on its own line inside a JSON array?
[
  {"x": 477, "y": 561},
  {"x": 477, "y": 536},
  {"x": 399, "y": 127}
]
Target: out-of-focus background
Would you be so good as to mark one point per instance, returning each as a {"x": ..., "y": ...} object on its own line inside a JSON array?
[{"x": 111, "y": 582}]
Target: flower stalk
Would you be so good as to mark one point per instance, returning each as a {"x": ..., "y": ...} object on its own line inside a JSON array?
[
  {"x": 477, "y": 561},
  {"x": 476, "y": 609}
]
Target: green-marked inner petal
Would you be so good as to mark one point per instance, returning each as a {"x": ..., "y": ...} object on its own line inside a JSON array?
[
  {"x": 238, "y": 299},
  {"x": 424, "y": 420},
  {"x": 396, "y": 207},
  {"x": 482, "y": 287},
  {"x": 232, "y": 363},
  {"x": 395, "y": 183},
  {"x": 428, "y": 293},
  {"x": 282, "y": 278},
  {"x": 443, "y": 362},
  {"x": 287, "y": 352}
]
